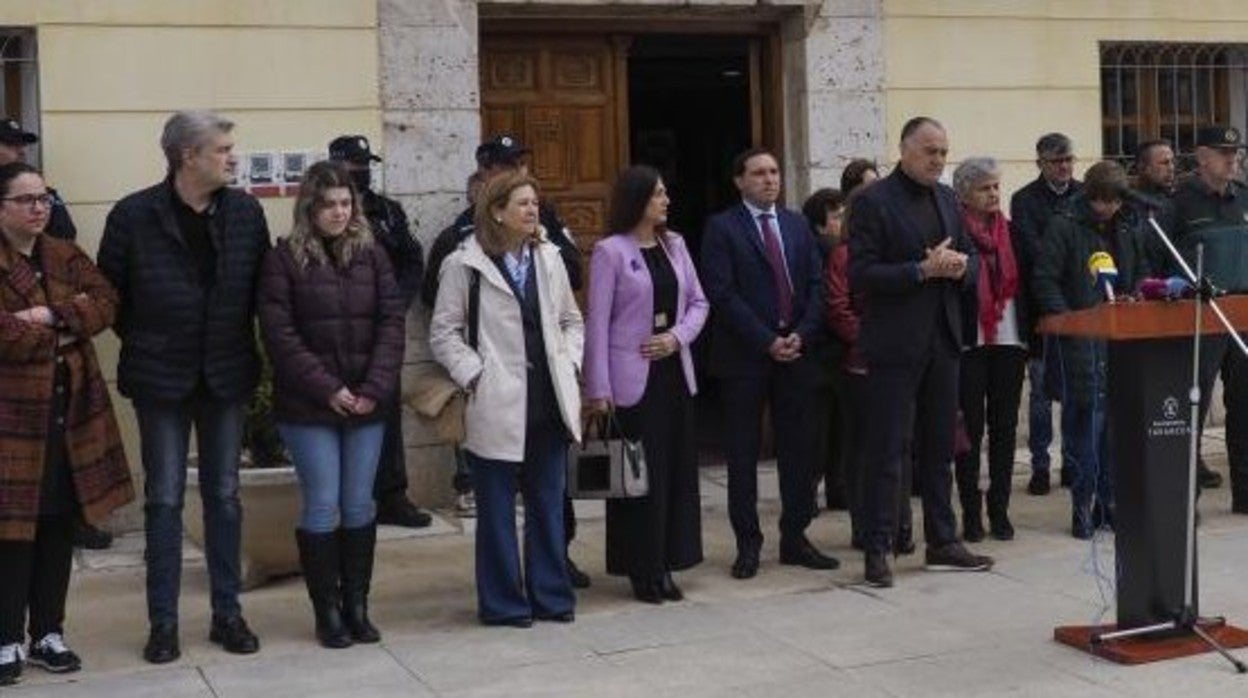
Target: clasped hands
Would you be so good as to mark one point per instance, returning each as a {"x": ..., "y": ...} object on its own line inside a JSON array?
[
  {"x": 787, "y": 348},
  {"x": 346, "y": 403},
  {"x": 943, "y": 262},
  {"x": 659, "y": 346}
]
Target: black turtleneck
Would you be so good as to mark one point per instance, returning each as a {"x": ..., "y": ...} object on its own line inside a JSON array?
[{"x": 920, "y": 206}]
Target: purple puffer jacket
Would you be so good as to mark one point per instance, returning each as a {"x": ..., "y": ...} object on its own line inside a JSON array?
[{"x": 325, "y": 328}]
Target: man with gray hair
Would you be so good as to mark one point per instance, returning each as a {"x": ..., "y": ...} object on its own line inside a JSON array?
[
  {"x": 1031, "y": 208},
  {"x": 184, "y": 256}
]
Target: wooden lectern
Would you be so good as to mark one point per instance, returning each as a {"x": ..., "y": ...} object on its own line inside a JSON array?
[{"x": 1149, "y": 413}]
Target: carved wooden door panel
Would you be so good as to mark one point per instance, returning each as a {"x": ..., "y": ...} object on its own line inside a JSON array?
[{"x": 565, "y": 99}]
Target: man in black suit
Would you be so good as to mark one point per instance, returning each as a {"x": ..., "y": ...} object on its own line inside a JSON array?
[
  {"x": 763, "y": 275},
  {"x": 914, "y": 264}
]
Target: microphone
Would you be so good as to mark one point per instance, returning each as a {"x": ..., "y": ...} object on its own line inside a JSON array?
[
  {"x": 1173, "y": 288},
  {"x": 1104, "y": 273}
]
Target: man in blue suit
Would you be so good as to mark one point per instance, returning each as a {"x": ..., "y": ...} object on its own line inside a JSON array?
[
  {"x": 762, "y": 273},
  {"x": 913, "y": 263}
]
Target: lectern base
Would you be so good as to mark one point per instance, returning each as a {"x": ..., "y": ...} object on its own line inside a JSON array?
[{"x": 1142, "y": 650}]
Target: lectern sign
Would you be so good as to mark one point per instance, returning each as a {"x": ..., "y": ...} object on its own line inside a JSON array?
[{"x": 1172, "y": 421}]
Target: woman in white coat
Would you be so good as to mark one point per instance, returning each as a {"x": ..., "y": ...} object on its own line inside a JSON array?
[{"x": 518, "y": 361}]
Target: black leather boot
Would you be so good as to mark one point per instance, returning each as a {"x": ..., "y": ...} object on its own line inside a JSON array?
[
  {"x": 319, "y": 557},
  {"x": 358, "y": 545}
]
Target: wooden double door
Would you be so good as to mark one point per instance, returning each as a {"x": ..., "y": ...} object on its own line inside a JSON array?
[{"x": 565, "y": 98}]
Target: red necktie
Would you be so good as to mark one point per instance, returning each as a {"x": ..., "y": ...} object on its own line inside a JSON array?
[{"x": 784, "y": 294}]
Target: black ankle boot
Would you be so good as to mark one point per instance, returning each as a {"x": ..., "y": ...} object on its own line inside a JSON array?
[
  {"x": 319, "y": 556},
  {"x": 646, "y": 590},
  {"x": 358, "y": 545},
  {"x": 668, "y": 588}
]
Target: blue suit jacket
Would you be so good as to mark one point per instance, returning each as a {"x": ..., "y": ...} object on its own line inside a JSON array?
[{"x": 737, "y": 279}]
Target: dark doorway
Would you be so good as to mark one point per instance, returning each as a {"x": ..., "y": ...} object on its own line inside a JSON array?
[
  {"x": 689, "y": 115},
  {"x": 689, "y": 110}
]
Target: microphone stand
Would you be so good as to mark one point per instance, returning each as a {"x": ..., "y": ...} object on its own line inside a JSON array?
[{"x": 1185, "y": 619}]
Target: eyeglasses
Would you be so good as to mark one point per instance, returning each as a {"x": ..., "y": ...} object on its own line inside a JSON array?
[{"x": 30, "y": 200}]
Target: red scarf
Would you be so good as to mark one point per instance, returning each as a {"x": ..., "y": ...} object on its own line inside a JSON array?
[{"x": 998, "y": 271}]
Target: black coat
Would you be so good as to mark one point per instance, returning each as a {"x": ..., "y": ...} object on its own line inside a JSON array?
[
  {"x": 390, "y": 228},
  {"x": 1062, "y": 283},
  {"x": 173, "y": 329},
  {"x": 326, "y": 328},
  {"x": 903, "y": 315},
  {"x": 1031, "y": 208}
]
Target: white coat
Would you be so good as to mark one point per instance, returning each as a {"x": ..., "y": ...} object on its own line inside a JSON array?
[{"x": 494, "y": 418}]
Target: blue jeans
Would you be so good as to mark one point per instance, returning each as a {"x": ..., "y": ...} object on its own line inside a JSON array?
[
  {"x": 1039, "y": 417},
  {"x": 544, "y": 589},
  {"x": 336, "y": 466},
  {"x": 164, "y": 431},
  {"x": 1085, "y": 431}
]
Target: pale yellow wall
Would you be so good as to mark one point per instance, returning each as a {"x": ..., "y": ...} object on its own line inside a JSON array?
[
  {"x": 290, "y": 73},
  {"x": 999, "y": 73}
]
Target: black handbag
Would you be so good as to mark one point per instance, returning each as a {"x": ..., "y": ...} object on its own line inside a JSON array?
[{"x": 610, "y": 466}]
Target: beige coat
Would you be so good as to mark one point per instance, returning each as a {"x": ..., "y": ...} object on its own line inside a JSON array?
[{"x": 495, "y": 415}]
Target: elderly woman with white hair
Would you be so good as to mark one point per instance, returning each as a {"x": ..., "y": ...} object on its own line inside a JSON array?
[{"x": 993, "y": 366}]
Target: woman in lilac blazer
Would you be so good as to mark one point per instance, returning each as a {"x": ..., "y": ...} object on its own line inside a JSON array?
[{"x": 645, "y": 309}]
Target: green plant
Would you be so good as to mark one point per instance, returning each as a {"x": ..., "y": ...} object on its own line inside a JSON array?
[{"x": 260, "y": 435}]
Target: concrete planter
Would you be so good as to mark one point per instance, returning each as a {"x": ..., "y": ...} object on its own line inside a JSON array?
[{"x": 270, "y": 502}]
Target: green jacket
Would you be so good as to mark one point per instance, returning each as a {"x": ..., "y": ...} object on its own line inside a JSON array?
[
  {"x": 1061, "y": 282},
  {"x": 1220, "y": 222}
]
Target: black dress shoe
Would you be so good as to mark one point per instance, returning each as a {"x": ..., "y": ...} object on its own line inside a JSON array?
[
  {"x": 904, "y": 543},
  {"x": 803, "y": 554},
  {"x": 668, "y": 588},
  {"x": 1208, "y": 478},
  {"x": 565, "y": 617},
  {"x": 162, "y": 644},
  {"x": 1000, "y": 527},
  {"x": 519, "y": 622},
  {"x": 579, "y": 579},
  {"x": 876, "y": 572},
  {"x": 953, "y": 557},
  {"x": 646, "y": 590},
  {"x": 746, "y": 564},
  {"x": 232, "y": 633},
  {"x": 1039, "y": 483},
  {"x": 399, "y": 511},
  {"x": 89, "y": 537}
]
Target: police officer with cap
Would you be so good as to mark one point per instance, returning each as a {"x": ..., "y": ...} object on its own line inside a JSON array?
[
  {"x": 500, "y": 154},
  {"x": 1210, "y": 208},
  {"x": 13, "y": 142},
  {"x": 390, "y": 228}
]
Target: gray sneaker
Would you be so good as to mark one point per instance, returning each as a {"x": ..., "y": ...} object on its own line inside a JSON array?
[{"x": 954, "y": 557}]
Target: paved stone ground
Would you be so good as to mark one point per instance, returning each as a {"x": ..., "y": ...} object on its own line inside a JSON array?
[{"x": 789, "y": 632}]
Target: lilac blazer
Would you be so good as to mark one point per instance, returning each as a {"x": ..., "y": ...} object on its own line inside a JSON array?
[{"x": 620, "y": 316}]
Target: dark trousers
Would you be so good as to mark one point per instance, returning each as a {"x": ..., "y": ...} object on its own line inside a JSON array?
[
  {"x": 919, "y": 400},
  {"x": 35, "y": 580},
  {"x": 662, "y": 531},
  {"x": 391, "y": 482},
  {"x": 830, "y": 419},
  {"x": 1219, "y": 354},
  {"x": 1084, "y": 427},
  {"x": 164, "y": 433},
  {"x": 542, "y": 588},
  {"x": 854, "y": 412},
  {"x": 789, "y": 388},
  {"x": 991, "y": 388}
]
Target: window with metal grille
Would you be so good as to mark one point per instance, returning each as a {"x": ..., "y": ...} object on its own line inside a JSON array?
[
  {"x": 19, "y": 71},
  {"x": 1168, "y": 90}
]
